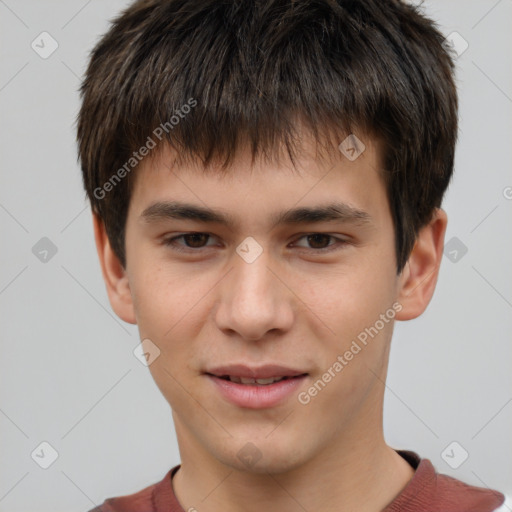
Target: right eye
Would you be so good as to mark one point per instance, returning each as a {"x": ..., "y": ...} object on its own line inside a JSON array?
[{"x": 193, "y": 241}]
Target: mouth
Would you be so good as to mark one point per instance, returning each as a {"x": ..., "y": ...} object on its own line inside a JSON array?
[
  {"x": 266, "y": 388},
  {"x": 256, "y": 382}
]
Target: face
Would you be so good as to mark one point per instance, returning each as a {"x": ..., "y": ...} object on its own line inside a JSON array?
[{"x": 301, "y": 293}]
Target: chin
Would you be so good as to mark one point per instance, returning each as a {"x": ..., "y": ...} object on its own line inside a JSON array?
[{"x": 264, "y": 457}]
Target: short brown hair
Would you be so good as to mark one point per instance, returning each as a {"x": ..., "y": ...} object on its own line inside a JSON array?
[{"x": 249, "y": 70}]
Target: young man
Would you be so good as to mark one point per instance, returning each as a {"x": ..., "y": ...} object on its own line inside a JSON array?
[{"x": 266, "y": 180}]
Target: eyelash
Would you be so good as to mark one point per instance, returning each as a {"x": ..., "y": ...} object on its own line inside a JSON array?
[{"x": 171, "y": 242}]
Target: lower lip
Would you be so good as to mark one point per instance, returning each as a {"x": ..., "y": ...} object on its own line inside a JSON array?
[{"x": 256, "y": 396}]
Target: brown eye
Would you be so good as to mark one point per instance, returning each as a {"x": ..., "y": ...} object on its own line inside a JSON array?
[
  {"x": 319, "y": 240},
  {"x": 196, "y": 240},
  {"x": 321, "y": 243},
  {"x": 189, "y": 242}
]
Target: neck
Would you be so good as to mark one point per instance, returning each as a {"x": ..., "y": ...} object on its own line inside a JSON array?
[{"x": 350, "y": 474}]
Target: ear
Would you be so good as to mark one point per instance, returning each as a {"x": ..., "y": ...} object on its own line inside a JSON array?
[
  {"x": 114, "y": 275},
  {"x": 418, "y": 279}
]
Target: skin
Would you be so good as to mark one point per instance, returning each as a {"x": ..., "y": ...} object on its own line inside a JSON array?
[{"x": 291, "y": 306}]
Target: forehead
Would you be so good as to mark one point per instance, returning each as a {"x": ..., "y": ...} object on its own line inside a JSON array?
[{"x": 342, "y": 186}]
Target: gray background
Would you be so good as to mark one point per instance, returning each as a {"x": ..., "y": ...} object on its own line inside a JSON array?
[{"x": 67, "y": 372}]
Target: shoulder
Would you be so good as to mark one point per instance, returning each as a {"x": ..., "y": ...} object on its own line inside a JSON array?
[
  {"x": 429, "y": 490},
  {"x": 140, "y": 501},
  {"x": 153, "y": 498},
  {"x": 459, "y": 495}
]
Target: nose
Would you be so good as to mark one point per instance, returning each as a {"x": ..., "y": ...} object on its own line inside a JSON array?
[{"x": 254, "y": 300}]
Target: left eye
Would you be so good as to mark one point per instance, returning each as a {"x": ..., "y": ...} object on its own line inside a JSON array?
[
  {"x": 321, "y": 239},
  {"x": 317, "y": 242},
  {"x": 192, "y": 240}
]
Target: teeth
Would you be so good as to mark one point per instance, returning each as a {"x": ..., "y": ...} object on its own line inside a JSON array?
[
  {"x": 243, "y": 380},
  {"x": 268, "y": 381}
]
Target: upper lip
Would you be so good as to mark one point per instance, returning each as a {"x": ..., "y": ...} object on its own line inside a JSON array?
[{"x": 259, "y": 372}]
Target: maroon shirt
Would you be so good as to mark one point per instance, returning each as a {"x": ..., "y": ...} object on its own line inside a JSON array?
[{"x": 427, "y": 491}]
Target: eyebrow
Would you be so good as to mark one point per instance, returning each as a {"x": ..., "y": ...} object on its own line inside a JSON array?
[{"x": 336, "y": 211}]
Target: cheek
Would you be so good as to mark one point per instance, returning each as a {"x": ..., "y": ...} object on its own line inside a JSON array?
[
  {"x": 347, "y": 302},
  {"x": 163, "y": 299},
  {"x": 350, "y": 359},
  {"x": 350, "y": 305},
  {"x": 171, "y": 309},
  {"x": 167, "y": 306}
]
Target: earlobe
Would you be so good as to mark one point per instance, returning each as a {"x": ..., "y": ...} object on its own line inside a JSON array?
[
  {"x": 419, "y": 276},
  {"x": 114, "y": 275}
]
